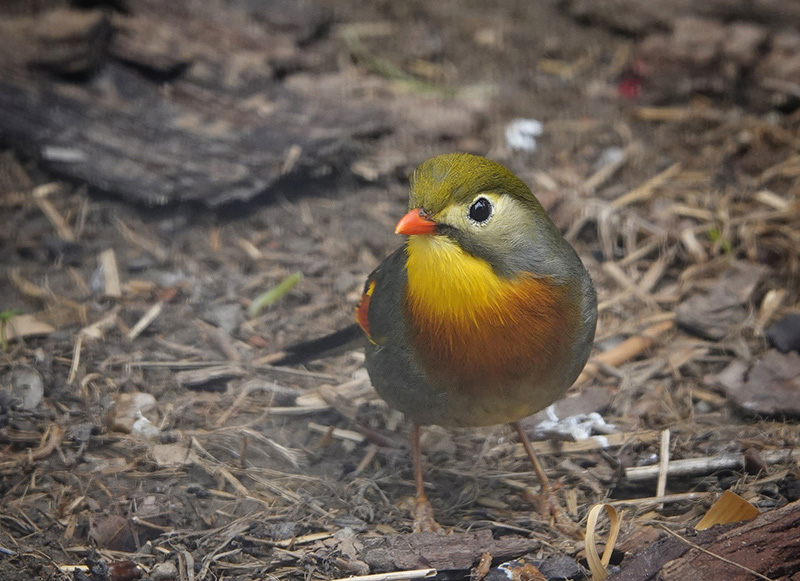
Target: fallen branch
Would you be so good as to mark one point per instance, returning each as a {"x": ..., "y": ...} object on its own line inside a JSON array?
[
  {"x": 706, "y": 465},
  {"x": 394, "y": 576}
]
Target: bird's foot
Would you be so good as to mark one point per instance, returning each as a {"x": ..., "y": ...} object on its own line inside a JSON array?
[
  {"x": 548, "y": 506},
  {"x": 423, "y": 517}
]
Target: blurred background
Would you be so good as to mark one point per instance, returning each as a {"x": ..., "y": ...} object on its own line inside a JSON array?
[{"x": 187, "y": 187}]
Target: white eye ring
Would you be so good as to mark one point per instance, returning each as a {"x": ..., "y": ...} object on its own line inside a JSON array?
[{"x": 480, "y": 211}]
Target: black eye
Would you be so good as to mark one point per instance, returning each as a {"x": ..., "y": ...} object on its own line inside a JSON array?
[{"x": 480, "y": 210}]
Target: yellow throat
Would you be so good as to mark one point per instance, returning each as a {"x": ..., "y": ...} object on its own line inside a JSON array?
[{"x": 447, "y": 283}]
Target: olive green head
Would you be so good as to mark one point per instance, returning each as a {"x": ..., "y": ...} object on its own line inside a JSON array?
[
  {"x": 457, "y": 178},
  {"x": 490, "y": 213}
]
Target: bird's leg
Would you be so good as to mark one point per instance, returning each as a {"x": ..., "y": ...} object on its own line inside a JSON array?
[
  {"x": 423, "y": 511},
  {"x": 547, "y": 506},
  {"x": 537, "y": 466}
]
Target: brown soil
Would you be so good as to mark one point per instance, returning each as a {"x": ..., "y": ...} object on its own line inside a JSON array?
[{"x": 238, "y": 466}]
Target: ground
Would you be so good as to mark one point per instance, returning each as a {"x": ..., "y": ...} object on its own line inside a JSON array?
[{"x": 685, "y": 212}]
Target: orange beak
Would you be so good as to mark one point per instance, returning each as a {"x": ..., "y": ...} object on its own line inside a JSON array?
[{"x": 416, "y": 222}]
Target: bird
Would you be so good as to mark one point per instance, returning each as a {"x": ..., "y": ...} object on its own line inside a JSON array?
[{"x": 483, "y": 316}]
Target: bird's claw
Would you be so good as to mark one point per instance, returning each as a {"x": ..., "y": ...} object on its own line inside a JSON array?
[
  {"x": 548, "y": 506},
  {"x": 423, "y": 518}
]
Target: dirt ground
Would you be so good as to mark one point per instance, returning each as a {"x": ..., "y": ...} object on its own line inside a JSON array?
[{"x": 684, "y": 208}]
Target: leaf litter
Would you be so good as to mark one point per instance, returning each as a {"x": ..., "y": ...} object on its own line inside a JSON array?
[{"x": 689, "y": 226}]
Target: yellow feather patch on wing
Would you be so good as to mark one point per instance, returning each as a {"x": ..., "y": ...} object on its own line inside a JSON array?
[{"x": 362, "y": 310}]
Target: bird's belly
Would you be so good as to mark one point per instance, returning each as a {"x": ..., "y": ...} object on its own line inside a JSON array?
[
  {"x": 521, "y": 385},
  {"x": 518, "y": 401},
  {"x": 502, "y": 363},
  {"x": 404, "y": 385}
]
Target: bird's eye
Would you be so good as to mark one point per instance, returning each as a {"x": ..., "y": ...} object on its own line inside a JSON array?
[{"x": 480, "y": 210}]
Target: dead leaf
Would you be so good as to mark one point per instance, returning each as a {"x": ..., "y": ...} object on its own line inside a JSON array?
[
  {"x": 722, "y": 310},
  {"x": 113, "y": 532},
  {"x": 730, "y": 378},
  {"x": 24, "y": 326},
  {"x": 173, "y": 455},
  {"x": 772, "y": 387},
  {"x": 730, "y": 507},
  {"x": 124, "y": 571}
]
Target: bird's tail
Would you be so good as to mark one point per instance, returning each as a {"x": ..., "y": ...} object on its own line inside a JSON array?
[{"x": 337, "y": 342}]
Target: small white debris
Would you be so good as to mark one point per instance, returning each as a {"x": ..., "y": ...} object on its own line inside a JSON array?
[
  {"x": 128, "y": 408},
  {"x": 521, "y": 134},
  {"x": 165, "y": 571},
  {"x": 574, "y": 428},
  {"x": 63, "y": 154},
  {"x": 609, "y": 156},
  {"x": 507, "y": 570},
  {"x": 144, "y": 427}
]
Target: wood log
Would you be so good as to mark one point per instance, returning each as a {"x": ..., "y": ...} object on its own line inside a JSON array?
[
  {"x": 768, "y": 545},
  {"x": 455, "y": 552},
  {"x": 178, "y": 103}
]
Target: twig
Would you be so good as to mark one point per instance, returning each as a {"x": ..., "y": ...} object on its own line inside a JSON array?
[
  {"x": 666, "y": 499},
  {"x": 48, "y": 443},
  {"x": 626, "y": 350},
  {"x": 663, "y": 465},
  {"x": 689, "y": 239},
  {"x": 149, "y": 244},
  {"x": 244, "y": 391},
  {"x": 150, "y": 316},
  {"x": 302, "y": 372},
  {"x": 76, "y": 359},
  {"x": 642, "y": 251},
  {"x": 108, "y": 261},
  {"x": 372, "y": 451},
  {"x": 304, "y": 540},
  {"x": 394, "y": 576},
  {"x": 772, "y": 200},
  {"x": 212, "y": 363},
  {"x": 294, "y": 457},
  {"x": 292, "y": 156},
  {"x": 614, "y": 271},
  {"x": 592, "y": 443},
  {"x": 57, "y": 221},
  {"x": 605, "y": 173},
  {"x": 299, "y": 410},
  {"x": 252, "y": 251},
  {"x": 337, "y": 432},
  {"x": 644, "y": 191},
  {"x": 196, "y": 377},
  {"x": 656, "y": 270}
]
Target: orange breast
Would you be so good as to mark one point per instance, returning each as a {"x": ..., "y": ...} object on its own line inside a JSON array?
[{"x": 524, "y": 333}]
